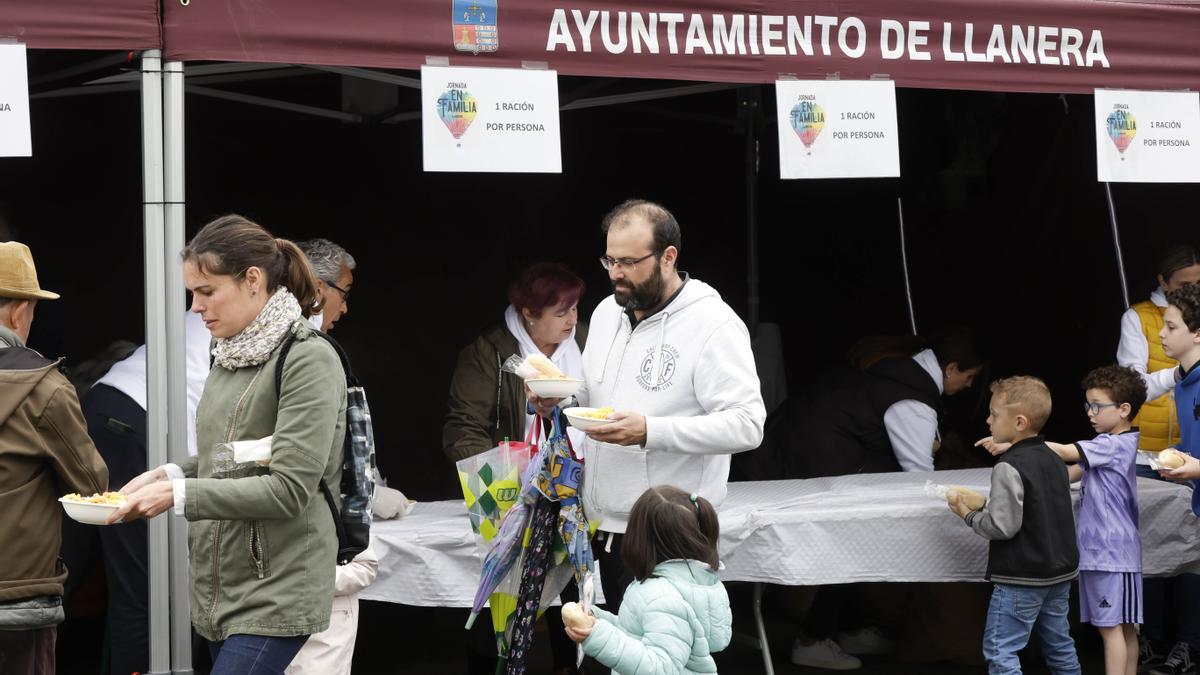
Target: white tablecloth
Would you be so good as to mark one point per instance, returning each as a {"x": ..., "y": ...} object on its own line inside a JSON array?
[{"x": 868, "y": 527}]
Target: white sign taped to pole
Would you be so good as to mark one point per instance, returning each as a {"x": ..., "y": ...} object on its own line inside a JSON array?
[
  {"x": 837, "y": 129},
  {"x": 490, "y": 120},
  {"x": 1147, "y": 136},
  {"x": 14, "y": 102}
]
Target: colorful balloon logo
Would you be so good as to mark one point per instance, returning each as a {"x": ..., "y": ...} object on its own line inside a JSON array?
[
  {"x": 457, "y": 109},
  {"x": 1122, "y": 127},
  {"x": 808, "y": 119}
]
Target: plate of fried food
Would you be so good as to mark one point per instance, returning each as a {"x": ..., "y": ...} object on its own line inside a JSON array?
[
  {"x": 93, "y": 510},
  {"x": 586, "y": 418}
]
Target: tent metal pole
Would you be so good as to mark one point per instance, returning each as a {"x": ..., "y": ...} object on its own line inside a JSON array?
[
  {"x": 1116, "y": 234},
  {"x": 652, "y": 95},
  {"x": 912, "y": 316},
  {"x": 107, "y": 61},
  {"x": 156, "y": 343},
  {"x": 373, "y": 75},
  {"x": 177, "y": 446},
  {"x": 749, "y": 109},
  {"x": 273, "y": 103}
]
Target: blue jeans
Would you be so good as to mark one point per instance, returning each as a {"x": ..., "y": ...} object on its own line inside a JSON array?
[
  {"x": 254, "y": 654},
  {"x": 1017, "y": 611}
]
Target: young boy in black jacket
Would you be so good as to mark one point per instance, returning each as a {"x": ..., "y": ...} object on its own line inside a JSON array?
[{"x": 1028, "y": 519}]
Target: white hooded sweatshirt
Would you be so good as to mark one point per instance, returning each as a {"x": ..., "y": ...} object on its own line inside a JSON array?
[{"x": 689, "y": 370}]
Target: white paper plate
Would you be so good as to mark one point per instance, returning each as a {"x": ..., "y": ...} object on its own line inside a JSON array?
[
  {"x": 580, "y": 422},
  {"x": 88, "y": 514},
  {"x": 553, "y": 388}
]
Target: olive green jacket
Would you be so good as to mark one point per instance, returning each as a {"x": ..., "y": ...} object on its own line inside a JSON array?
[{"x": 261, "y": 539}]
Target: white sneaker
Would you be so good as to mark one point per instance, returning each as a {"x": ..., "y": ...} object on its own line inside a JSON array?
[
  {"x": 869, "y": 640},
  {"x": 824, "y": 654}
]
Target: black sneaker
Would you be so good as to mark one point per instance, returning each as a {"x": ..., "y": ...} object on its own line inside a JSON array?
[
  {"x": 1178, "y": 662},
  {"x": 1149, "y": 654}
]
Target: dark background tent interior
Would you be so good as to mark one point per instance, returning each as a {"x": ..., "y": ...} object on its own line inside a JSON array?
[{"x": 1007, "y": 227}]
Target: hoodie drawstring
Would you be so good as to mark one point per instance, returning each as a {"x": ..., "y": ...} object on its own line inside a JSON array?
[
  {"x": 608, "y": 355},
  {"x": 657, "y": 363}
]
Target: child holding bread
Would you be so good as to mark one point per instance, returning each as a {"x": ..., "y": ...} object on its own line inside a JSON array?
[
  {"x": 1029, "y": 523},
  {"x": 1110, "y": 550},
  {"x": 1180, "y": 337},
  {"x": 676, "y": 613}
]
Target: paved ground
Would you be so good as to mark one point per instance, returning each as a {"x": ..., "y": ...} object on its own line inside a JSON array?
[
  {"x": 411, "y": 631},
  {"x": 400, "y": 640}
]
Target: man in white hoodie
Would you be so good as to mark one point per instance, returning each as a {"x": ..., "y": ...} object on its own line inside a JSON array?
[{"x": 674, "y": 361}]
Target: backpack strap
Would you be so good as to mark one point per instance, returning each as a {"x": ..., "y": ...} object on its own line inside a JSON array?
[
  {"x": 288, "y": 341},
  {"x": 286, "y": 347}
]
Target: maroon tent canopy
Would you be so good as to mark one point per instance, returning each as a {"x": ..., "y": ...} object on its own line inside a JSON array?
[
  {"x": 82, "y": 24},
  {"x": 1003, "y": 45}
]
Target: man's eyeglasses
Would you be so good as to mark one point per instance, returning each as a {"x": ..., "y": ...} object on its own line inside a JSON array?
[
  {"x": 627, "y": 263},
  {"x": 345, "y": 293},
  {"x": 1095, "y": 408}
]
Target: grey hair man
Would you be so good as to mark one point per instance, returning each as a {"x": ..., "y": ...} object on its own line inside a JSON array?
[{"x": 335, "y": 275}]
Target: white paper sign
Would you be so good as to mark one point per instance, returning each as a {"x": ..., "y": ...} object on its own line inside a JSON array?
[
  {"x": 1147, "y": 136},
  {"x": 837, "y": 129},
  {"x": 490, "y": 119},
  {"x": 14, "y": 103}
]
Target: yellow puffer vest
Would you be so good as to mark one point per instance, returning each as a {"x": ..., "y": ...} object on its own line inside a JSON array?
[{"x": 1156, "y": 420}]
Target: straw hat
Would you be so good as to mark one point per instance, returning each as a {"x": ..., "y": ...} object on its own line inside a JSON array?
[{"x": 18, "y": 278}]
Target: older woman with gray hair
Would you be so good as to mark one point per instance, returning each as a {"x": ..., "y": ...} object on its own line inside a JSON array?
[{"x": 335, "y": 275}]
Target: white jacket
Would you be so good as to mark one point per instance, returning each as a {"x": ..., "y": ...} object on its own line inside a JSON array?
[
  {"x": 331, "y": 651},
  {"x": 689, "y": 370}
]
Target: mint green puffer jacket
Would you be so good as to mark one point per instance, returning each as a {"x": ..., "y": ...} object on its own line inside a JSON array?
[{"x": 670, "y": 623}]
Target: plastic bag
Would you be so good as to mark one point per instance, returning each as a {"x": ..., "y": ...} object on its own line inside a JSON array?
[{"x": 519, "y": 366}]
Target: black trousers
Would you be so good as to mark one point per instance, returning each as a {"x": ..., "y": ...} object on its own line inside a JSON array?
[
  {"x": 117, "y": 425},
  {"x": 614, "y": 575},
  {"x": 834, "y": 609}
]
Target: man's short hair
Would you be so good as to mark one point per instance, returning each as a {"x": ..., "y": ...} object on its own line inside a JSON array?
[
  {"x": 664, "y": 225},
  {"x": 1186, "y": 299},
  {"x": 1124, "y": 385},
  {"x": 1025, "y": 395},
  {"x": 327, "y": 258},
  {"x": 5, "y": 302}
]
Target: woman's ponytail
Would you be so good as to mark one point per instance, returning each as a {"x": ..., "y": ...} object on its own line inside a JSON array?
[{"x": 298, "y": 275}]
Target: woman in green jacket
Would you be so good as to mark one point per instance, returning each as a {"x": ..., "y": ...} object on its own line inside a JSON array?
[{"x": 261, "y": 538}]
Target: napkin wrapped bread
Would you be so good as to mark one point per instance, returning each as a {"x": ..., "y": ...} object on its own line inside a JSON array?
[{"x": 1171, "y": 459}]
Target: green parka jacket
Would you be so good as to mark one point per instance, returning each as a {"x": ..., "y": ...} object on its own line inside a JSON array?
[{"x": 261, "y": 538}]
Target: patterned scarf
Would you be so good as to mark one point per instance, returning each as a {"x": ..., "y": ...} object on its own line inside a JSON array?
[{"x": 253, "y": 346}]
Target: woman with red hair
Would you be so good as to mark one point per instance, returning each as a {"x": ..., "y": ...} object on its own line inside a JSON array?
[{"x": 488, "y": 404}]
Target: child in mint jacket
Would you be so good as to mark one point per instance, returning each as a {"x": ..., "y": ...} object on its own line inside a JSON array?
[{"x": 676, "y": 613}]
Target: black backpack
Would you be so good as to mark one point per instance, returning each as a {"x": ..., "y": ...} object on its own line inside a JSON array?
[{"x": 353, "y": 522}]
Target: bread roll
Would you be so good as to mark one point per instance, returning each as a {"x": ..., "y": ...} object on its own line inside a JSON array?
[
  {"x": 574, "y": 616},
  {"x": 971, "y": 498},
  {"x": 1171, "y": 459},
  {"x": 545, "y": 366}
]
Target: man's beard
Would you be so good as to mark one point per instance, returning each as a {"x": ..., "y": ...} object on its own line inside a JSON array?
[{"x": 643, "y": 296}]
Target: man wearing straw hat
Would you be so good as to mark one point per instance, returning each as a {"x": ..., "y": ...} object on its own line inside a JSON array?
[{"x": 44, "y": 451}]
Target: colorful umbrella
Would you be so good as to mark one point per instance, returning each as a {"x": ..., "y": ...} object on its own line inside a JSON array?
[{"x": 491, "y": 484}]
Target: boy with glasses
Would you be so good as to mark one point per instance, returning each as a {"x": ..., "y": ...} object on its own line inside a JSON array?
[{"x": 1110, "y": 550}]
